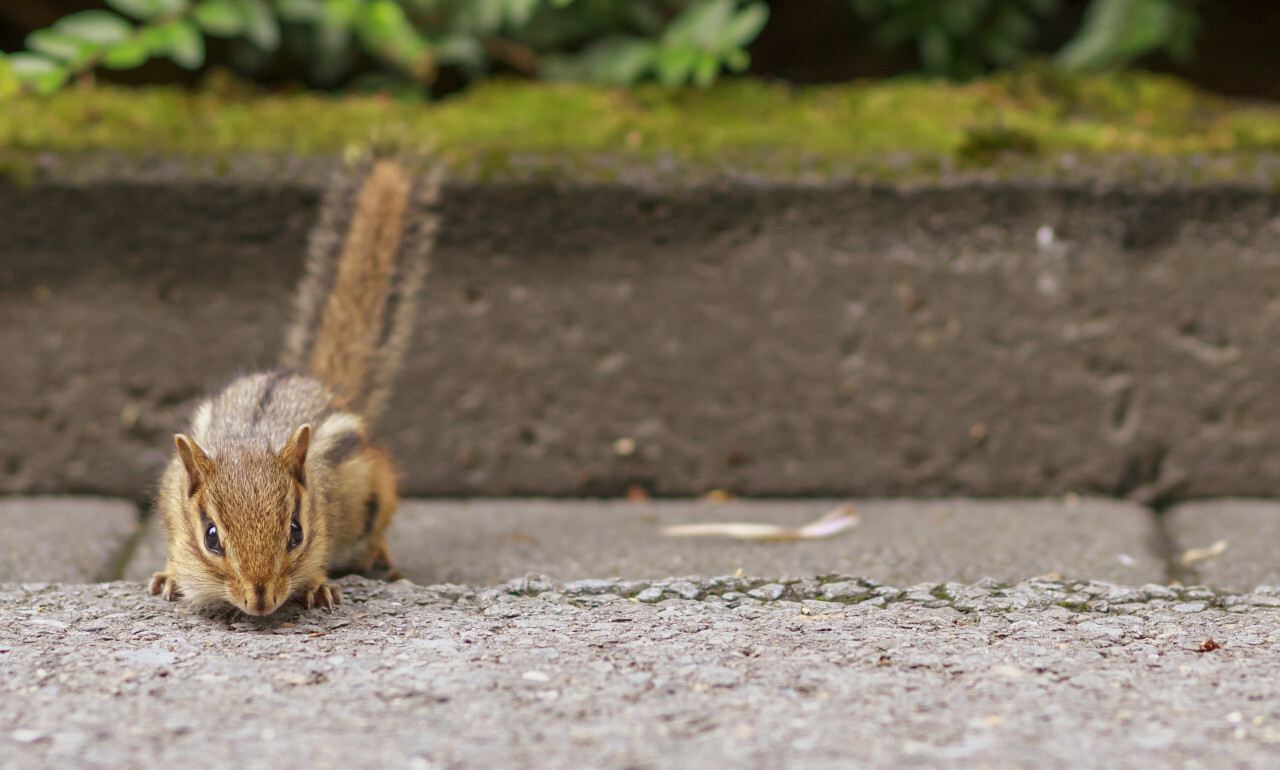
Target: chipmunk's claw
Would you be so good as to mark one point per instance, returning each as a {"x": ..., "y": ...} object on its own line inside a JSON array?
[
  {"x": 166, "y": 585},
  {"x": 326, "y": 595}
]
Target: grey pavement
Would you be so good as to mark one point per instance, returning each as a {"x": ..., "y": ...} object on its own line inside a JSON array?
[
  {"x": 64, "y": 539},
  {"x": 675, "y": 674},
  {"x": 941, "y": 633},
  {"x": 897, "y": 541},
  {"x": 1250, "y": 532}
]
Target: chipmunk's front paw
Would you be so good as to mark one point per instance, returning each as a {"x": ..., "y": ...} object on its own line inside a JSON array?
[
  {"x": 382, "y": 568},
  {"x": 325, "y": 595},
  {"x": 166, "y": 585}
]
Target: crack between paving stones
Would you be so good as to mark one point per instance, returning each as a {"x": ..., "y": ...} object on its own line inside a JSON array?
[
  {"x": 1168, "y": 551},
  {"x": 116, "y": 566}
]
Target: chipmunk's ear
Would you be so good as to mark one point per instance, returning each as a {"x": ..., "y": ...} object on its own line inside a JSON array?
[
  {"x": 197, "y": 463},
  {"x": 294, "y": 454}
]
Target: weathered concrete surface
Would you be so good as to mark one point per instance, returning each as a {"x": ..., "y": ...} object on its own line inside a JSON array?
[
  {"x": 66, "y": 540},
  {"x": 900, "y": 542},
  {"x": 1251, "y": 531},
  {"x": 531, "y": 674},
  {"x": 983, "y": 340},
  {"x": 119, "y": 306}
]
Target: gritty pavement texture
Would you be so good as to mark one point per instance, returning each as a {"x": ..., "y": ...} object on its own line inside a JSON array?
[
  {"x": 924, "y": 663},
  {"x": 900, "y": 542},
  {"x": 1249, "y": 531},
  {"x": 70, "y": 540},
  {"x": 683, "y": 673}
]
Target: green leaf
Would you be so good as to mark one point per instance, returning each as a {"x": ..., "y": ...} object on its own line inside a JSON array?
[
  {"x": 9, "y": 82},
  {"x": 333, "y": 54},
  {"x": 27, "y": 65},
  {"x": 617, "y": 60},
  {"x": 50, "y": 82},
  {"x": 41, "y": 73},
  {"x": 345, "y": 11},
  {"x": 746, "y": 25},
  {"x": 699, "y": 23},
  {"x": 382, "y": 21},
  {"x": 101, "y": 27},
  {"x": 126, "y": 55},
  {"x": 386, "y": 30},
  {"x": 264, "y": 30},
  {"x": 675, "y": 64},
  {"x": 333, "y": 34},
  {"x": 706, "y": 69},
  {"x": 138, "y": 9},
  {"x": 304, "y": 11},
  {"x": 737, "y": 61},
  {"x": 58, "y": 46},
  {"x": 484, "y": 16},
  {"x": 221, "y": 18},
  {"x": 172, "y": 7},
  {"x": 462, "y": 50},
  {"x": 180, "y": 41},
  {"x": 520, "y": 11},
  {"x": 1115, "y": 32},
  {"x": 623, "y": 61}
]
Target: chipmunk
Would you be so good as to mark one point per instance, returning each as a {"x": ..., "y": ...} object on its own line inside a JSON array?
[{"x": 276, "y": 485}]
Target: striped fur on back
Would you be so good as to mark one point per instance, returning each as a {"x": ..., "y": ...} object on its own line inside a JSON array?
[
  {"x": 264, "y": 409},
  {"x": 366, "y": 262}
]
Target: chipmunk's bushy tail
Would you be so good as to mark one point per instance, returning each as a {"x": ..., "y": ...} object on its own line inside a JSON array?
[{"x": 366, "y": 261}]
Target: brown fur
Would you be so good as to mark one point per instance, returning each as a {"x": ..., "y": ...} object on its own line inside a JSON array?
[
  {"x": 354, "y": 314},
  {"x": 274, "y": 447}
]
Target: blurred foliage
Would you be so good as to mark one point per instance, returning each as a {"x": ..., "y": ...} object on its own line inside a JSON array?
[
  {"x": 1115, "y": 32},
  {"x": 609, "y": 41},
  {"x": 964, "y": 38},
  {"x": 614, "y": 42},
  {"x": 958, "y": 38}
]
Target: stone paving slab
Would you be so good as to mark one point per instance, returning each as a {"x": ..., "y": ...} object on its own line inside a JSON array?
[
  {"x": 63, "y": 539},
  {"x": 900, "y": 542},
  {"x": 896, "y": 541},
  {"x": 1043, "y": 674},
  {"x": 1251, "y": 531}
]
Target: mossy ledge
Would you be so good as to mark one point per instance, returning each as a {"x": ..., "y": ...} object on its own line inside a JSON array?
[{"x": 1132, "y": 128}]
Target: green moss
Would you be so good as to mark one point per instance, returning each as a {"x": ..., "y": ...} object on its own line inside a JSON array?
[
  {"x": 983, "y": 144},
  {"x": 765, "y": 127}
]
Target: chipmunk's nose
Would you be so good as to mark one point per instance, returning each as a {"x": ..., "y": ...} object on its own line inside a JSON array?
[{"x": 258, "y": 605}]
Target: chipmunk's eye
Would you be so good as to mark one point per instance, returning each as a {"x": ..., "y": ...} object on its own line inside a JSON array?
[
  {"x": 211, "y": 536},
  {"x": 295, "y": 526}
]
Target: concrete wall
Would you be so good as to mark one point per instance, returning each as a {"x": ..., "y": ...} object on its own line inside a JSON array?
[{"x": 981, "y": 340}]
